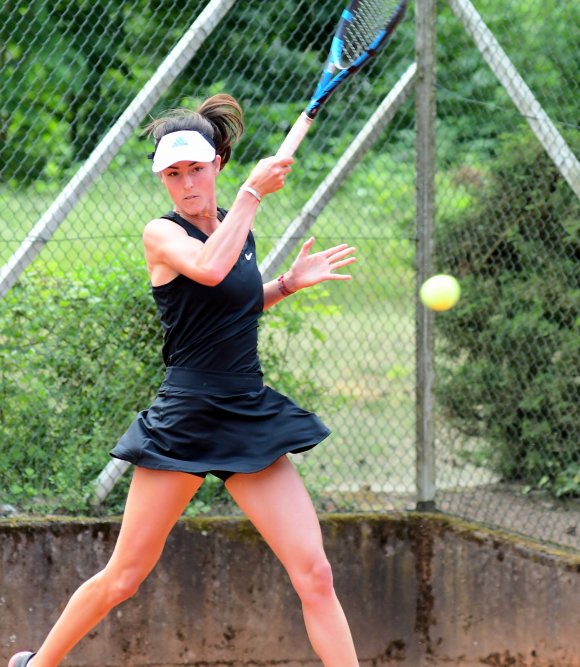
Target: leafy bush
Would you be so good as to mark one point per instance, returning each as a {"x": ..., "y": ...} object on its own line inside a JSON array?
[
  {"x": 281, "y": 355},
  {"x": 465, "y": 82},
  {"x": 76, "y": 365},
  {"x": 512, "y": 344}
]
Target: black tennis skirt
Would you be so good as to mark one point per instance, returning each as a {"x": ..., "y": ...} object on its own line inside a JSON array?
[{"x": 222, "y": 423}]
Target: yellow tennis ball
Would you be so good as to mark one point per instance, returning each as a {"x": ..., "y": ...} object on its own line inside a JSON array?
[{"x": 440, "y": 292}]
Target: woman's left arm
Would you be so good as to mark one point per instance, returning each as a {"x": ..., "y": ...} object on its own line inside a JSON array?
[{"x": 308, "y": 270}]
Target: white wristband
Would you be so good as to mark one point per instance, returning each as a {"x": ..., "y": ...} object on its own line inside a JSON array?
[{"x": 254, "y": 193}]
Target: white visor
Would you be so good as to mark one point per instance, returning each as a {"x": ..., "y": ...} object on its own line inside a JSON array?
[{"x": 180, "y": 146}]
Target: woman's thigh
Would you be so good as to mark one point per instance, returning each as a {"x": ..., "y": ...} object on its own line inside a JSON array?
[
  {"x": 156, "y": 500},
  {"x": 278, "y": 504}
]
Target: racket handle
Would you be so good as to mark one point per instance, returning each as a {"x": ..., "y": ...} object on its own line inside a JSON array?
[{"x": 295, "y": 136}]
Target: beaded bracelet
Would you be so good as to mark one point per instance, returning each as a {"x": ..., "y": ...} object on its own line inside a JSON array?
[
  {"x": 254, "y": 193},
  {"x": 284, "y": 291}
]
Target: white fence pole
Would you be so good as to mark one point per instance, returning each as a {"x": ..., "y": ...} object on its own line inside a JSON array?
[
  {"x": 518, "y": 90},
  {"x": 112, "y": 142},
  {"x": 347, "y": 162},
  {"x": 105, "y": 482}
]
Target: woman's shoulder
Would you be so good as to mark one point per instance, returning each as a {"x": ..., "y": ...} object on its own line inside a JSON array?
[{"x": 161, "y": 228}]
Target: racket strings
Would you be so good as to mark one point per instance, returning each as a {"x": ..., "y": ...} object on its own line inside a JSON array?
[{"x": 369, "y": 19}]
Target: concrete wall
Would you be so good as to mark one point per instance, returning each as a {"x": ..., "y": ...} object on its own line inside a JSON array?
[{"x": 418, "y": 590}]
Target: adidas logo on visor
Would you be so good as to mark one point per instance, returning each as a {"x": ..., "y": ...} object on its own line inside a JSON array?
[{"x": 184, "y": 145}]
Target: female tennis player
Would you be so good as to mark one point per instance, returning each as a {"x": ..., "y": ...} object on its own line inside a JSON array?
[{"x": 213, "y": 414}]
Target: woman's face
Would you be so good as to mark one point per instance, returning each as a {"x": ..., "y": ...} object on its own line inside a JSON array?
[{"x": 191, "y": 186}]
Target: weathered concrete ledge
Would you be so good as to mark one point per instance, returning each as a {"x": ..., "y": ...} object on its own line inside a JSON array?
[{"x": 418, "y": 590}]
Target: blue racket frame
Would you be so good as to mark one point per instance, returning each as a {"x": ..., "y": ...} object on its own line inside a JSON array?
[{"x": 330, "y": 79}]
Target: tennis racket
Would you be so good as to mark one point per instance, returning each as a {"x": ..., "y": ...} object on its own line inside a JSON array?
[{"x": 364, "y": 29}]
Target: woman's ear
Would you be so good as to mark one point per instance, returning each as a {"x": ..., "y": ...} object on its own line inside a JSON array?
[{"x": 218, "y": 163}]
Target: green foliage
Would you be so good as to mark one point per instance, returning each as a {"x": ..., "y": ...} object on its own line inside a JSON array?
[
  {"x": 512, "y": 343},
  {"x": 284, "y": 348},
  {"x": 76, "y": 364},
  {"x": 75, "y": 367},
  {"x": 63, "y": 81},
  {"x": 69, "y": 69},
  {"x": 471, "y": 103}
]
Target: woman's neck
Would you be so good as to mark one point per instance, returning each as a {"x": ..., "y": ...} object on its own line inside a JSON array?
[{"x": 205, "y": 222}]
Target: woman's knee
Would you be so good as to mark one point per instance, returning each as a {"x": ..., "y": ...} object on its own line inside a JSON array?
[
  {"x": 314, "y": 582},
  {"x": 121, "y": 584}
]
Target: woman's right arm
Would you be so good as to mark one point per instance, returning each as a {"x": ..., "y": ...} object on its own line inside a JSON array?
[{"x": 170, "y": 251}]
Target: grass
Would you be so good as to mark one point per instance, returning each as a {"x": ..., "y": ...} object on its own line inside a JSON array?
[
  {"x": 367, "y": 368},
  {"x": 110, "y": 216}
]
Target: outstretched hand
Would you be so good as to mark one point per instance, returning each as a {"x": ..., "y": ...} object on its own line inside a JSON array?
[{"x": 311, "y": 269}]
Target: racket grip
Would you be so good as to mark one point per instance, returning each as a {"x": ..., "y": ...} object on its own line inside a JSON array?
[{"x": 294, "y": 137}]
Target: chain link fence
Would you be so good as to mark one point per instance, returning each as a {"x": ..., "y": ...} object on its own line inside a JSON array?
[
  {"x": 508, "y": 358},
  {"x": 79, "y": 337}
]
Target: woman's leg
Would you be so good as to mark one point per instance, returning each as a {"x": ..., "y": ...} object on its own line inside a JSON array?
[
  {"x": 156, "y": 500},
  {"x": 277, "y": 503}
]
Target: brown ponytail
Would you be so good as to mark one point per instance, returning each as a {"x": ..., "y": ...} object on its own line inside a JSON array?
[
  {"x": 226, "y": 115},
  {"x": 220, "y": 118}
]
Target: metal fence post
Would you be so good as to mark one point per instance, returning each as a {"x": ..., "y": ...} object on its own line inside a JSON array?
[{"x": 426, "y": 14}]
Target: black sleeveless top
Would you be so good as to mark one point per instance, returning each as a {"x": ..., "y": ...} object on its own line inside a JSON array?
[
  {"x": 213, "y": 412},
  {"x": 213, "y": 328}
]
